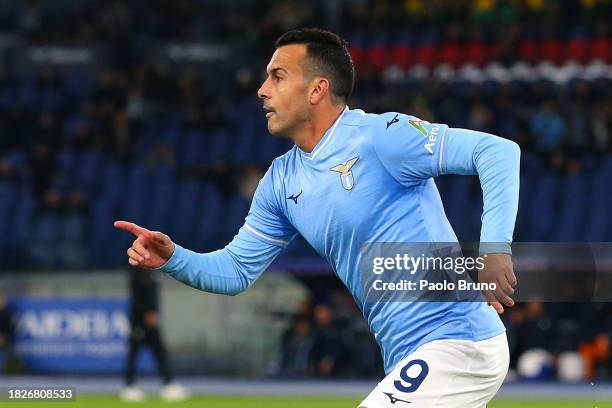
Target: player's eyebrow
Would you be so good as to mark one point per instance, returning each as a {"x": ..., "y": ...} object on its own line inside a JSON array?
[{"x": 276, "y": 70}]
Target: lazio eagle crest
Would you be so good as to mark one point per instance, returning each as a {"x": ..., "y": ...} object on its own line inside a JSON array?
[{"x": 346, "y": 175}]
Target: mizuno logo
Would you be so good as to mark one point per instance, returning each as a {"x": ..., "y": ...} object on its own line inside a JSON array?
[
  {"x": 394, "y": 120},
  {"x": 394, "y": 400},
  {"x": 294, "y": 197}
]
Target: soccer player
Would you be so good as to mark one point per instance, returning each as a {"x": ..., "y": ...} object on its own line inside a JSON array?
[{"x": 352, "y": 178}]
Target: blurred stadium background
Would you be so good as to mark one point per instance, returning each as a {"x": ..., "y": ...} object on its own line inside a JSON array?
[{"x": 141, "y": 110}]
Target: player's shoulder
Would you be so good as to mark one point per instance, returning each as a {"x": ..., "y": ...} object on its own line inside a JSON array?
[
  {"x": 374, "y": 122},
  {"x": 360, "y": 118},
  {"x": 387, "y": 132},
  {"x": 401, "y": 134}
]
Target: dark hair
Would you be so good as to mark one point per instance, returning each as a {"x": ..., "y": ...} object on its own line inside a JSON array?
[{"x": 330, "y": 56}]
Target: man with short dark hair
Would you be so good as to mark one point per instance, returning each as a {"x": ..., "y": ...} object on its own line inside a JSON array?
[{"x": 354, "y": 178}]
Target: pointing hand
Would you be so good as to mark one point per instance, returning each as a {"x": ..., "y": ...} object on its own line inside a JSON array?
[{"x": 150, "y": 250}]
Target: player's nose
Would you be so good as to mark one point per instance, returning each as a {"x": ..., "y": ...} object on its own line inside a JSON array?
[{"x": 262, "y": 92}]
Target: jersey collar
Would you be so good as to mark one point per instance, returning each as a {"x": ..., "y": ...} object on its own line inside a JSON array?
[{"x": 326, "y": 137}]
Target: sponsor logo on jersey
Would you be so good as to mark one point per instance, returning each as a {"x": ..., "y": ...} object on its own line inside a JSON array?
[
  {"x": 418, "y": 125},
  {"x": 432, "y": 137}
]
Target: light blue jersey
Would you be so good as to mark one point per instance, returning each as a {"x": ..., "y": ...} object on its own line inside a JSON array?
[{"x": 370, "y": 179}]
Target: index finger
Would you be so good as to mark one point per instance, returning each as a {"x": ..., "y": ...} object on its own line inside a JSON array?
[
  {"x": 497, "y": 306},
  {"x": 131, "y": 227}
]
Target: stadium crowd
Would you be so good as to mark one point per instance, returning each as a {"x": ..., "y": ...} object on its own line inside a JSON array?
[
  {"x": 125, "y": 133},
  {"x": 323, "y": 336}
]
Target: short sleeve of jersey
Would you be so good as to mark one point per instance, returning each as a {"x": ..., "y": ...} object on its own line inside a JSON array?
[
  {"x": 266, "y": 219},
  {"x": 409, "y": 148}
]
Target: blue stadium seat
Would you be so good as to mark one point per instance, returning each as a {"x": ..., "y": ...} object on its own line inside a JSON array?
[
  {"x": 210, "y": 216},
  {"x": 194, "y": 150},
  {"x": 544, "y": 210},
  {"x": 8, "y": 191},
  {"x": 219, "y": 146},
  {"x": 23, "y": 211},
  {"x": 134, "y": 204},
  {"x": 44, "y": 237},
  {"x": 103, "y": 233},
  {"x": 267, "y": 147},
  {"x": 237, "y": 210},
  {"x": 16, "y": 228},
  {"x": 456, "y": 203},
  {"x": 66, "y": 160},
  {"x": 168, "y": 130},
  {"x": 187, "y": 206},
  {"x": 162, "y": 198},
  {"x": 574, "y": 200},
  {"x": 526, "y": 203},
  {"x": 131, "y": 204},
  {"x": 243, "y": 143},
  {"x": 88, "y": 171},
  {"x": 598, "y": 220},
  {"x": 113, "y": 181}
]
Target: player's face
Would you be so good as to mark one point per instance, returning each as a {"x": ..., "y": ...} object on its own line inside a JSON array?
[{"x": 285, "y": 90}]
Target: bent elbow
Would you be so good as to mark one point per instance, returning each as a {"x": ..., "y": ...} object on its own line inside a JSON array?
[
  {"x": 239, "y": 285},
  {"x": 513, "y": 150},
  {"x": 507, "y": 151},
  {"x": 234, "y": 291}
]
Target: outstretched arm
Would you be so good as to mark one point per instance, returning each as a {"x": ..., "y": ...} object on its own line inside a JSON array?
[{"x": 227, "y": 271}]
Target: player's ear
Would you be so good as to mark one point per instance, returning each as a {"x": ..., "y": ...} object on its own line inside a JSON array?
[{"x": 319, "y": 89}]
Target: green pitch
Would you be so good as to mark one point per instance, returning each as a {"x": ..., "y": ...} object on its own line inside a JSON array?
[{"x": 283, "y": 402}]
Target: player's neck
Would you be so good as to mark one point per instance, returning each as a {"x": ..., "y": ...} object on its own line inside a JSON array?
[{"x": 314, "y": 130}]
